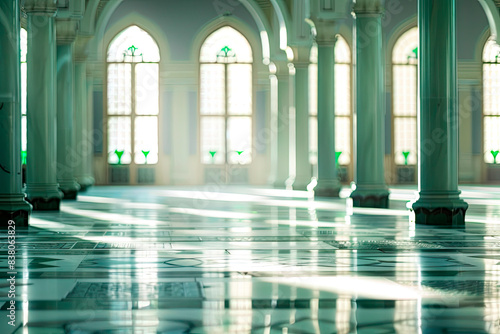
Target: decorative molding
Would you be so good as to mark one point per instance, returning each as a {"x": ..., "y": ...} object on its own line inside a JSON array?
[
  {"x": 66, "y": 31},
  {"x": 368, "y": 7},
  {"x": 40, "y": 7}
]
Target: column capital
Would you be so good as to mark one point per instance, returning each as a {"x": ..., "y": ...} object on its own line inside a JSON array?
[
  {"x": 66, "y": 31},
  {"x": 40, "y": 7},
  {"x": 301, "y": 55},
  {"x": 368, "y": 7},
  {"x": 282, "y": 69},
  {"x": 325, "y": 32}
]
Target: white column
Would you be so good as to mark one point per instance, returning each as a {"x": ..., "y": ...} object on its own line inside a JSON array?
[
  {"x": 371, "y": 190},
  {"x": 328, "y": 184},
  {"x": 282, "y": 124},
  {"x": 41, "y": 179},
  {"x": 65, "y": 118},
  {"x": 303, "y": 172},
  {"x": 12, "y": 204},
  {"x": 82, "y": 134}
]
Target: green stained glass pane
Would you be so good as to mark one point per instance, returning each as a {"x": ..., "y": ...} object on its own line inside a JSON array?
[
  {"x": 146, "y": 153},
  {"x": 119, "y": 155},
  {"x": 405, "y": 155},
  {"x": 494, "y": 154}
]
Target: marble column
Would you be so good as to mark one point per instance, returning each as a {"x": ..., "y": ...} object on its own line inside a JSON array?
[
  {"x": 41, "y": 181},
  {"x": 82, "y": 135},
  {"x": 283, "y": 125},
  {"x": 371, "y": 190},
  {"x": 303, "y": 172},
  {"x": 89, "y": 149},
  {"x": 65, "y": 116},
  {"x": 439, "y": 200},
  {"x": 13, "y": 206},
  {"x": 328, "y": 183}
]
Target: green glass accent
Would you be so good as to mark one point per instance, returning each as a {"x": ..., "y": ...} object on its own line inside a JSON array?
[
  {"x": 24, "y": 154},
  {"x": 132, "y": 50},
  {"x": 337, "y": 156},
  {"x": 494, "y": 154},
  {"x": 146, "y": 153},
  {"x": 405, "y": 155},
  {"x": 413, "y": 54},
  {"x": 119, "y": 155},
  {"x": 239, "y": 152},
  {"x": 212, "y": 153},
  {"x": 226, "y": 50}
]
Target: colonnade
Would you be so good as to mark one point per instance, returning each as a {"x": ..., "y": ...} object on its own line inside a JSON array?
[
  {"x": 59, "y": 158},
  {"x": 56, "y": 117}
]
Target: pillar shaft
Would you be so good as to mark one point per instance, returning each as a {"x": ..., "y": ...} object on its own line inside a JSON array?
[
  {"x": 82, "y": 135},
  {"x": 328, "y": 183},
  {"x": 303, "y": 172},
  {"x": 89, "y": 162},
  {"x": 65, "y": 121},
  {"x": 283, "y": 128},
  {"x": 439, "y": 201},
  {"x": 42, "y": 187},
  {"x": 12, "y": 204},
  {"x": 371, "y": 190}
]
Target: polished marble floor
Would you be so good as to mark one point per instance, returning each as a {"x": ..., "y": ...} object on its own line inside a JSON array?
[{"x": 252, "y": 260}]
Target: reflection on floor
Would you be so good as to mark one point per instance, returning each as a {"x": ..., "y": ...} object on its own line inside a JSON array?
[{"x": 252, "y": 260}]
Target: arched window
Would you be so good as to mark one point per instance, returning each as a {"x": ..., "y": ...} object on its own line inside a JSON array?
[
  {"x": 491, "y": 104},
  {"x": 226, "y": 96},
  {"x": 133, "y": 98},
  {"x": 404, "y": 83},
  {"x": 342, "y": 103},
  {"x": 24, "y": 73}
]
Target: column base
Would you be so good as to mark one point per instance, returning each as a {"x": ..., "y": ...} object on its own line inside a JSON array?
[
  {"x": 69, "y": 189},
  {"x": 327, "y": 188},
  {"x": 280, "y": 183},
  {"x": 440, "y": 209},
  {"x": 44, "y": 204},
  {"x": 69, "y": 194},
  {"x": 302, "y": 183},
  {"x": 44, "y": 197},
  {"x": 85, "y": 182},
  {"x": 14, "y": 207},
  {"x": 370, "y": 198}
]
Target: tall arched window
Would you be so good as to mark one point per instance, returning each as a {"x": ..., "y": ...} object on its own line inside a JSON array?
[
  {"x": 491, "y": 104},
  {"x": 342, "y": 103},
  {"x": 226, "y": 96},
  {"x": 133, "y": 98},
  {"x": 404, "y": 83},
  {"x": 24, "y": 74}
]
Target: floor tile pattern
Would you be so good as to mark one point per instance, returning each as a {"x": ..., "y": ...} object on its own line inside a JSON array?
[{"x": 252, "y": 260}]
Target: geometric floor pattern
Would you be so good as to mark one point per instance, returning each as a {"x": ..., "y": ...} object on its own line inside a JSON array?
[{"x": 252, "y": 260}]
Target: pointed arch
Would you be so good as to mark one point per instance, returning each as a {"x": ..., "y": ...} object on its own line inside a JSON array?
[
  {"x": 404, "y": 58},
  {"x": 491, "y": 101},
  {"x": 132, "y": 98},
  {"x": 226, "y": 98}
]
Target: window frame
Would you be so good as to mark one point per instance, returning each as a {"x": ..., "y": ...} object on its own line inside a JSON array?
[
  {"x": 226, "y": 116},
  {"x": 484, "y": 115},
  {"x": 133, "y": 91},
  {"x": 394, "y": 117}
]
